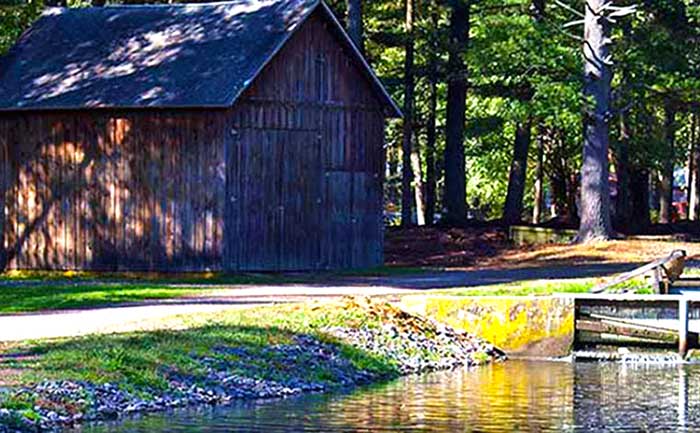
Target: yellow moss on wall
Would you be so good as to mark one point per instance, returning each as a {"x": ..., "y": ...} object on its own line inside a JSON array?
[{"x": 542, "y": 326}]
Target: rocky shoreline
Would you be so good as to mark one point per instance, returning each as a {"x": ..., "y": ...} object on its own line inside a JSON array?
[{"x": 408, "y": 343}]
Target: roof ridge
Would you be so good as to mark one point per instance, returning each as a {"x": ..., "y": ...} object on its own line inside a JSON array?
[{"x": 54, "y": 9}]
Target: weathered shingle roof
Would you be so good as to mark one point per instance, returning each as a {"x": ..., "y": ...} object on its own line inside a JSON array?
[{"x": 197, "y": 55}]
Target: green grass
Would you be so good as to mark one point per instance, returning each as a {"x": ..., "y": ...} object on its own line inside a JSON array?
[
  {"x": 142, "y": 361},
  {"x": 16, "y": 299},
  {"x": 541, "y": 288},
  {"x": 204, "y": 277},
  {"x": 29, "y": 291},
  {"x": 146, "y": 363}
]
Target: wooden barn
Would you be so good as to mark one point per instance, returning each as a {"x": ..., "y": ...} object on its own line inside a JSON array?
[{"x": 245, "y": 135}]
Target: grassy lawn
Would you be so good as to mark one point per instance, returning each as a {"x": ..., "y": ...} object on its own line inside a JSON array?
[
  {"x": 27, "y": 291},
  {"x": 248, "y": 343},
  {"x": 297, "y": 345},
  {"x": 16, "y": 299},
  {"x": 543, "y": 288},
  {"x": 142, "y": 360}
]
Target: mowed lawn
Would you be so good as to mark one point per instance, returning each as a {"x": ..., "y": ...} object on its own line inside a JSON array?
[
  {"x": 37, "y": 291},
  {"x": 60, "y": 296},
  {"x": 30, "y": 291},
  {"x": 546, "y": 287}
]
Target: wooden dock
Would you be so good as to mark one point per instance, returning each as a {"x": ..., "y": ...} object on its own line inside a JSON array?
[{"x": 638, "y": 320}]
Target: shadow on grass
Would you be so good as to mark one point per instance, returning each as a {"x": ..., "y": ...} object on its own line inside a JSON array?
[{"x": 148, "y": 361}]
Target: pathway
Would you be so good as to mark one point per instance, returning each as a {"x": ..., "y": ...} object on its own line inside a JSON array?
[{"x": 133, "y": 317}]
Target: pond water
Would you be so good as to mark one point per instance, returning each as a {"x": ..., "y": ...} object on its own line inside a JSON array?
[{"x": 512, "y": 396}]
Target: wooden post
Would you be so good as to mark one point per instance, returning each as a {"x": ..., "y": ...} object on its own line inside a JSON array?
[
  {"x": 683, "y": 327},
  {"x": 656, "y": 281}
]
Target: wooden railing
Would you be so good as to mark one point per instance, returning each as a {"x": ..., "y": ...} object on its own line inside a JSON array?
[{"x": 663, "y": 271}]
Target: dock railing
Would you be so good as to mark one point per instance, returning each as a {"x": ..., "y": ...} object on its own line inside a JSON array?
[
  {"x": 664, "y": 272},
  {"x": 608, "y": 324}
]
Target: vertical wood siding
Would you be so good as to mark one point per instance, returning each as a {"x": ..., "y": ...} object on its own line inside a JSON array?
[
  {"x": 136, "y": 191},
  {"x": 288, "y": 179},
  {"x": 311, "y": 197}
]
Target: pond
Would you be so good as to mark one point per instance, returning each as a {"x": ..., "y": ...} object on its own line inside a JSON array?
[{"x": 531, "y": 396}]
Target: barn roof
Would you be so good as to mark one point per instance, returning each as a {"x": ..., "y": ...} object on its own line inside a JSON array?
[{"x": 193, "y": 55}]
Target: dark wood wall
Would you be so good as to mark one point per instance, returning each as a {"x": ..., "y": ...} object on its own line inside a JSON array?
[
  {"x": 288, "y": 179},
  {"x": 105, "y": 190},
  {"x": 310, "y": 130}
]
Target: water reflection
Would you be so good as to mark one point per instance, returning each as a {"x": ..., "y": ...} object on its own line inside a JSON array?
[{"x": 514, "y": 396}]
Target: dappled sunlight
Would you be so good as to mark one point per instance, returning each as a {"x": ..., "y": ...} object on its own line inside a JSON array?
[
  {"x": 115, "y": 193},
  {"x": 618, "y": 251},
  {"x": 125, "y": 56}
]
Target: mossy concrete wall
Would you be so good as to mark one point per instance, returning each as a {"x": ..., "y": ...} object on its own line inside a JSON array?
[
  {"x": 528, "y": 326},
  {"x": 525, "y": 235}
]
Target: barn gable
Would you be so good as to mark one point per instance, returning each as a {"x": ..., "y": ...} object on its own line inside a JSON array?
[
  {"x": 199, "y": 55},
  {"x": 285, "y": 176}
]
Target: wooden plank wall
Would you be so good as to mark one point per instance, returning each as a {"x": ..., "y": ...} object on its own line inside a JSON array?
[
  {"x": 288, "y": 179},
  {"x": 106, "y": 191},
  {"x": 326, "y": 212},
  {"x": 4, "y": 176}
]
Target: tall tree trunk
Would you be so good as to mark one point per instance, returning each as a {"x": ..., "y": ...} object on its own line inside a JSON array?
[
  {"x": 513, "y": 209},
  {"x": 430, "y": 175},
  {"x": 571, "y": 196},
  {"x": 431, "y": 132},
  {"x": 409, "y": 87},
  {"x": 537, "y": 210},
  {"x": 418, "y": 185},
  {"x": 538, "y": 10},
  {"x": 355, "y": 24},
  {"x": 694, "y": 205},
  {"x": 560, "y": 196},
  {"x": 639, "y": 199},
  {"x": 3, "y": 189},
  {"x": 455, "y": 176},
  {"x": 689, "y": 168},
  {"x": 666, "y": 179},
  {"x": 622, "y": 202},
  {"x": 595, "y": 188}
]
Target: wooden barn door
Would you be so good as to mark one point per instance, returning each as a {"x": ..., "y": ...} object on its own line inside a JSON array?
[{"x": 274, "y": 190}]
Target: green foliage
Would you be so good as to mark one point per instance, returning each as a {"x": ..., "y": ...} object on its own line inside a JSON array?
[
  {"x": 14, "y": 19},
  {"x": 520, "y": 66}
]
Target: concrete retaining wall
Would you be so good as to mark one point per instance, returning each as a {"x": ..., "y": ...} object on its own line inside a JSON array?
[
  {"x": 528, "y": 326},
  {"x": 526, "y": 235}
]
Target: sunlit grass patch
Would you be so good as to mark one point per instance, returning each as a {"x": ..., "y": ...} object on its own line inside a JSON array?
[
  {"x": 545, "y": 287},
  {"x": 27, "y": 298},
  {"x": 144, "y": 359}
]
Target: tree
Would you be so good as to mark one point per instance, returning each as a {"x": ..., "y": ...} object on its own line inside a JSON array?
[
  {"x": 666, "y": 178},
  {"x": 354, "y": 22},
  {"x": 513, "y": 209},
  {"x": 538, "y": 205},
  {"x": 595, "y": 188},
  {"x": 431, "y": 127},
  {"x": 455, "y": 180},
  {"x": 407, "y": 198},
  {"x": 694, "y": 201}
]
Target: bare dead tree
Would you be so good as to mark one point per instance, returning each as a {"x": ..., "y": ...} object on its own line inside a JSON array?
[{"x": 597, "y": 20}]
